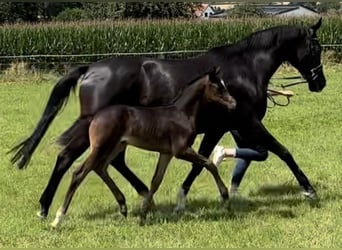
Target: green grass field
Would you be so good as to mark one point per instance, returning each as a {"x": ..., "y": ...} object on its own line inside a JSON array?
[{"x": 270, "y": 212}]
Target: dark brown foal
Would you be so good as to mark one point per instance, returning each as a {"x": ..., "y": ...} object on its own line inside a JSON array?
[{"x": 169, "y": 130}]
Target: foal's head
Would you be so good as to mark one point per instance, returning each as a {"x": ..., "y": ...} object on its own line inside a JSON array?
[{"x": 216, "y": 90}]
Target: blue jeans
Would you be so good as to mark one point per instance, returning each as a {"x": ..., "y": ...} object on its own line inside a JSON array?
[{"x": 244, "y": 157}]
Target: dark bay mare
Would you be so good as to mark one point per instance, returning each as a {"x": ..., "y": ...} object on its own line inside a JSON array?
[
  {"x": 169, "y": 130},
  {"x": 247, "y": 67}
]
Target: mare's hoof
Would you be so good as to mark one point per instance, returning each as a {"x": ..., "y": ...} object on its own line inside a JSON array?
[
  {"x": 311, "y": 195},
  {"x": 313, "y": 198},
  {"x": 123, "y": 210},
  {"x": 41, "y": 215}
]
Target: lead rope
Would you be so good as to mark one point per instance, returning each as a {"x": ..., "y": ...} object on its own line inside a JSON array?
[{"x": 272, "y": 99}]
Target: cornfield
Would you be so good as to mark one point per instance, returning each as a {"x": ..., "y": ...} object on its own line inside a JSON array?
[{"x": 133, "y": 36}]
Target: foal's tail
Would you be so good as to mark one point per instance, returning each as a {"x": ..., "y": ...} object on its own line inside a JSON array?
[{"x": 58, "y": 98}]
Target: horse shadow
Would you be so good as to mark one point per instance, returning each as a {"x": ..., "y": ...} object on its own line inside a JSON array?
[{"x": 276, "y": 200}]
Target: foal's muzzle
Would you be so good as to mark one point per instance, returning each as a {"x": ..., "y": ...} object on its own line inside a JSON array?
[{"x": 231, "y": 102}]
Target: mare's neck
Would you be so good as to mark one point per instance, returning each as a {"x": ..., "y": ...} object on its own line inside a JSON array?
[
  {"x": 266, "y": 63},
  {"x": 262, "y": 53}
]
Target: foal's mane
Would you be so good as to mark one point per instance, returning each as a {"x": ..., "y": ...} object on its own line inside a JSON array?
[
  {"x": 181, "y": 92},
  {"x": 262, "y": 39}
]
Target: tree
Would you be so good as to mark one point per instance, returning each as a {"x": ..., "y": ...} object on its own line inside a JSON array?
[
  {"x": 34, "y": 11},
  {"x": 19, "y": 11},
  {"x": 75, "y": 14},
  {"x": 325, "y": 7},
  {"x": 4, "y": 11},
  {"x": 158, "y": 10},
  {"x": 104, "y": 10},
  {"x": 53, "y": 9}
]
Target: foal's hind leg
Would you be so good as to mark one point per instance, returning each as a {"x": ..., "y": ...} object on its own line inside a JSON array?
[
  {"x": 103, "y": 174},
  {"x": 64, "y": 160},
  {"x": 78, "y": 176},
  {"x": 190, "y": 155},
  {"x": 97, "y": 159}
]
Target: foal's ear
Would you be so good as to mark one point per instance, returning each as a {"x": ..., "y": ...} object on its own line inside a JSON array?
[
  {"x": 217, "y": 69},
  {"x": 316, "y": 26}
]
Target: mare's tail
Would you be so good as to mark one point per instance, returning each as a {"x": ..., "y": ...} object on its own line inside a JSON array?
[{"x": 58, "y": 98}]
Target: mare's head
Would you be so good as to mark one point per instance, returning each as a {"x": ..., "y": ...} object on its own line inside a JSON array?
[
  {"x": 216, "y": 91},
  {"x": 306, "y": 57}
]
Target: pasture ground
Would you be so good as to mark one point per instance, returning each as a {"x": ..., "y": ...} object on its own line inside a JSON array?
[{"x": 270, "y": 212}]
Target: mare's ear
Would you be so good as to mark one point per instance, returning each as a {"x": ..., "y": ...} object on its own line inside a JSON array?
[{"x": 315, "y": 27}]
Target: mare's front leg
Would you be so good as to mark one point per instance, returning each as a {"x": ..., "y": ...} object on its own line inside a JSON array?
[
  {"x": 119, "y": 196},
  {"x": 257, "y": 132},
  {"x": 119, "y": 164},
  {"x": 163, "y": 162},
  {"x": 207, "y": 145},
  {"x": 64, "y": 160},
  {"x": 190, "y": 155}
]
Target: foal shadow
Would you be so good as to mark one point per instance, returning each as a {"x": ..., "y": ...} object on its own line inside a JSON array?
[
  {"x": 105, "y": 213},
  {"x": 204, "y": 210}
]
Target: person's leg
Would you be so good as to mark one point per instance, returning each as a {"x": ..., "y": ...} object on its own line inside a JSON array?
[
  {"x": 244, "y": 157},
  {"x": 244, "y": 153},
  {"x": 238, "y": 173}
]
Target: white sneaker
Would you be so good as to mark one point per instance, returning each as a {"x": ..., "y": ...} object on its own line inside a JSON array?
[{"x": 218, "y": 155}]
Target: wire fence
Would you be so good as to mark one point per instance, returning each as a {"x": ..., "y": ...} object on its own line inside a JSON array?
[{"x": 63, "y": 61}]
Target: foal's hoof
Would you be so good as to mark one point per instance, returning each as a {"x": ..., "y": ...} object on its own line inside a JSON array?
[
  {"x": 123, "y": 210},
  {"x": 180, "y": 208},
  {"x": 142, "y": 221},
  {"x": 54, "y": 225}
]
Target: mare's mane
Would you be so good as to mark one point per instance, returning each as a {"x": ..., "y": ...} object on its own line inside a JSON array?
[{"x": 260, "y": 40}]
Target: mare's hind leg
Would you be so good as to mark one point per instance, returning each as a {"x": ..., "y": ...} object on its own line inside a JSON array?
[
  {"x": 64, "y": 160},
  {"x": 103, "y": 174},
  {"x": 207, "y": 145},
  {"x": 163, "y": 162},
  {"x": 119, "y": 164},
  {"x": 190, "y": 155}
]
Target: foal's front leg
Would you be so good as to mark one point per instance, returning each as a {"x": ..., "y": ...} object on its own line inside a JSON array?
[
  {"x": 190, "y": 155},
  {"x": 163, "y": 162},
  {"x": 207, "y": 145}
]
